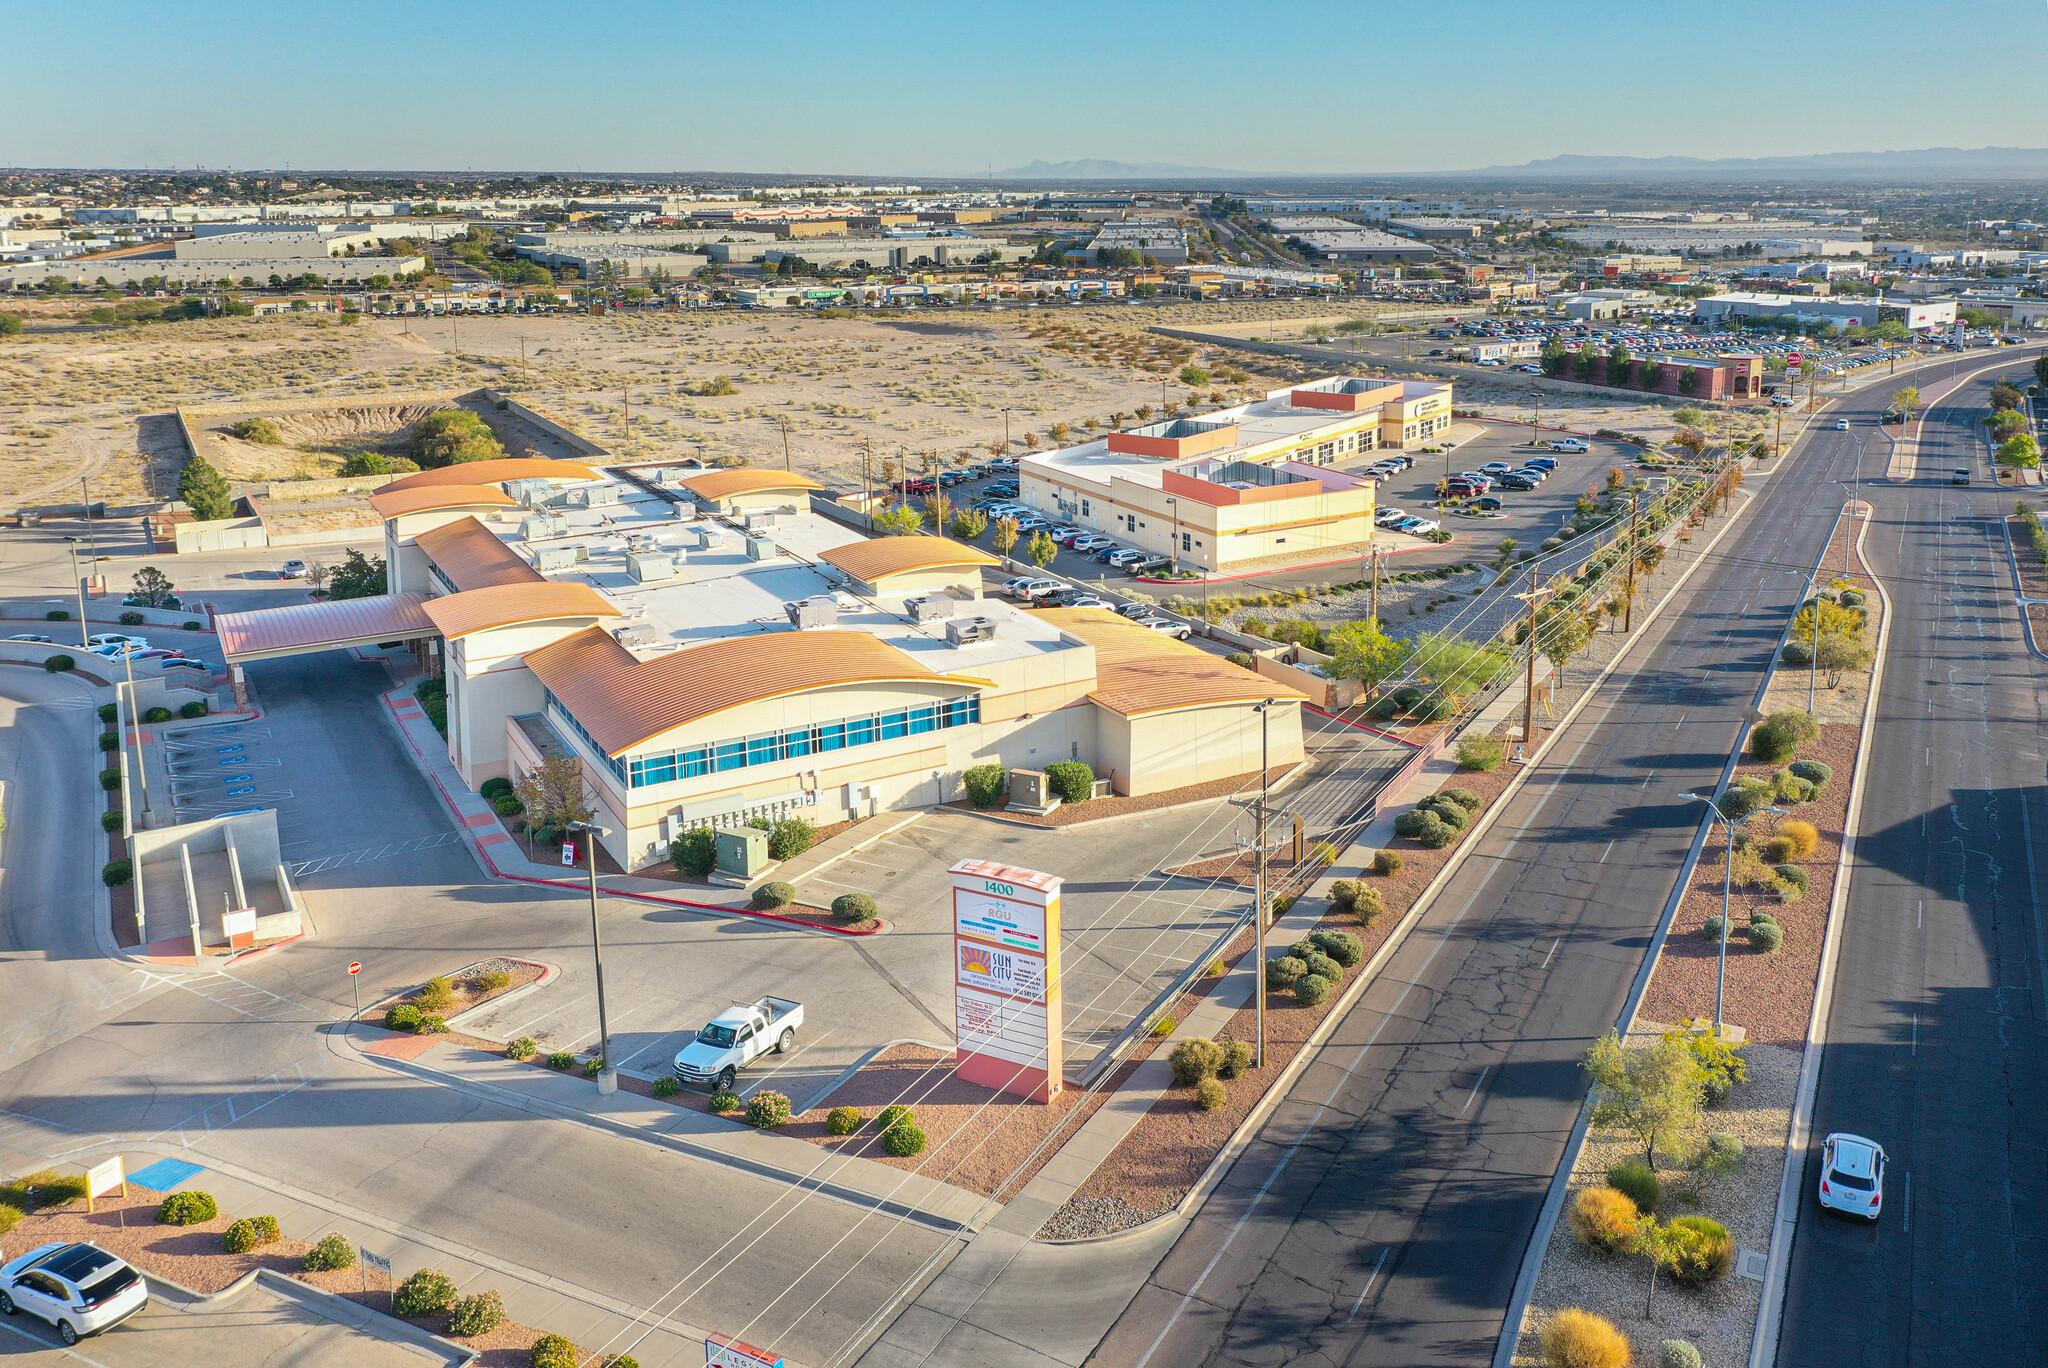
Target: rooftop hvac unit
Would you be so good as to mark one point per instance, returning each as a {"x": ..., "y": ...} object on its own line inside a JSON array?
[
  {"x": 930, "y": 609},
  {"x": 560, "y": 557},
  {"x": 541, "y": 526},
  {"x": 600, "y": 496},
  {"x": 633, "y": 636},
  {"x": 649, "y": 567},
  {"x": 760, "y": 518},
  {"x": 761, "y": 549},
  {"x": 529, "y": 493},
  {"x": 710, "y": 539},
  {"x": 966, "y": 631},
  {"x": 816, "y": 611}
]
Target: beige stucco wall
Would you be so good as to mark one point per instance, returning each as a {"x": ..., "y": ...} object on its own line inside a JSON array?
[{"x": 1161, "y": 751}]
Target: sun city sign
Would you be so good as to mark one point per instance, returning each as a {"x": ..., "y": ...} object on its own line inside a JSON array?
[{"x": 1006, "y": 980}]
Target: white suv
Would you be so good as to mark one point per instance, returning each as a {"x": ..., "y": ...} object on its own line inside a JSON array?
[{"x": 79, "y": 1288}]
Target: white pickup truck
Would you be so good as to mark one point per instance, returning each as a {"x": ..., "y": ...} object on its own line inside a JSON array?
[{"x": 735, "y": 1038}]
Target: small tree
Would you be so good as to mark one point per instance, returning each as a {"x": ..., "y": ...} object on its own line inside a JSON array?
[
  {"x": 969, "y": 524},
  {"x": 1005, "y": 536},
  {"x": 2021, "y": 452},
  {"x": 899, "y": 522},
  {"x": 318, "y": 573},
  {"x": 553, "y": 793},
  {"x": 1838, "y": 653},
  {"x": 1362, "y": 651},
  {"x": 358, "y": 576},
  {"x": 153, "y": 588},
  {"x": 1906, "y": 400},
  {"x": 1652, "y": 1093},
  {"x": 204, "y": 491},
  {"x": 1041, "y": 549}
]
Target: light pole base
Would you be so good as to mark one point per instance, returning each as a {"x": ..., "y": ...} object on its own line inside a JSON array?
[
  {"x": 1730, "y": 1032},
  {"x": 607, "y": 1082}
]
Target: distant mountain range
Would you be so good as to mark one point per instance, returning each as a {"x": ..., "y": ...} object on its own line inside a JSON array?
[{"x": 2029, "y": 163}]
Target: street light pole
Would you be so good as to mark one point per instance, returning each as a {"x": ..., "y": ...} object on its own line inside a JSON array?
[
  {"x": 92, "y": 542},
  {"x": 1727, "y": 896},
  {"x": 1259, "y": 889},
  {"x": 84, "y": 632},
  {"x": 608, "y": 1076}
]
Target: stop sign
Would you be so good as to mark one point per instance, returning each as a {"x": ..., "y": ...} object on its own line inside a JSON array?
[{"x": 356, "y": 967}]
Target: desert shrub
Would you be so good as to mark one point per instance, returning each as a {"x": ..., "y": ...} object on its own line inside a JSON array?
[
  {"x": 1805, "y": 838},
  {"x": 1241, "y": 659},
  {"x": 695, "y": 852},
  {"x": 1704, "y": 1254},
  {"x": 1283, "y": 970},
  {"x": 1796, "y": 653},
  {"x": 854, "y": 907},
  {"x": 1766, "y": 937},
  {"x": 1794, "y": 790},
  {"x": 1436, "y": 833},
  {"x": 1237, "y": 1057},
  {"x": 562, "y": 1060},
  {"x": 58, "y": 664},
  {"x": 1605, "y": 1219},
  {"x": 1343, "y": 893},
  {"x": 507, "y": 805},
  {"x": 334, "y": 1251},
  {"x": 1777, "y": 850},
  {"x": 791, "y": 837},
  {"x": 1851, "y": 598},
  {"x": 1211, "y": 1095},
  {"x": 476, "y": 1315},
  {"x": 261, "y": 430},
  {"x": 844, "y": 1121},
  {"x": 436, "y": 995},
  {"x": 895, "y": 1114},
  {"x": 245, "y": 1234},
  {"x": 1342, "y": 946},
  {"x": 187, "y": 1208},
  {"x": 772, "y": 894},
  {"x": 1072, "y": 780},
  {"x": 1678, "y": 1354},
  {"x": 402, "y": 1016},
  {"x": 1579, "y": 1339},
  {"x": 553, "y": 1351},
  {"x": 111, "y": 820},
  {"x": 57, "y": 615},
  {"x": 1813, "y": 772},
  {"x": 592, "y": 1066},
  {"x": 190, "y": 711},
  {"x": 1386, "y": 862},
  {"x": 495, "y": 788},
  {"x": 1194, "y": 1060},
  {"x": 1776, "y": 737},
  {"x": 1446, "y": 811},
  {"x": 131, "y": 619},
  {"x": 431, "y": 1023},
  {"x": 1434, "y": 708},
  {"x": 987, "y": 785},
  {"x": 1723, "y": 1153},
  {"x": 904, "y": 1140},
  {"x": 1321, "y": 965},
  {"x": 1637, "y": 1181},
  {"x": 1795, "y": 876},
  {"x": 191, "y": 626},
  {"x": 10, "y": 1217},
  {"x": 114, "y": 873},
  {"x": 767, "y": 1109},
  {"x": 1368, "y": 905},
  {"x": 723, "y": 1102},
  {"x": 1165, "y": 1026},
  {"x": 43, "y": 1188},
  {"x": 491, "y": 980},
  {"x": 667, "y": 1086},
  {"x": 522, "y": 1049},
  {"x": 1481, "y": 753},
  {"x": 1412, "y": 822},
  {"x": 1747, "y": 796},
  {"x": 1464, "y": 798},
  {"x": 1312, "y": 990},
  {"x": 1712, "y": 929}
]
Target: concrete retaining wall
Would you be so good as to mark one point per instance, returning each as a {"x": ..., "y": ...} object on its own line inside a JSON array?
[
  {"x": 228, "y": 534},
  {"x": 553, "y": 428}
]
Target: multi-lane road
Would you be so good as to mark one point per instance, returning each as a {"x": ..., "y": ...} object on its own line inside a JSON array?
[{"x": 1383, "y": 1213}]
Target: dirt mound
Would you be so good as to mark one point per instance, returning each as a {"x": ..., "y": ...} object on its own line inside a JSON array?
[{"x": 388, "y": 423}]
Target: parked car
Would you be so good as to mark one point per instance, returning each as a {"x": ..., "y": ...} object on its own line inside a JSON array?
[
  {"x": 1387, "y": 517},
  {"x": 1516, "y": 479},
  {"x": 1033, "y": 524},
  {"x": 80, "y": 1289},
  {"x": 1489, "y": 504},
  {"x": 110, "y": 638},
  {"x": 1495, "y": 468},
  {"x": 1148, "y": 565},
  {"x": 1063, "y": 532},
  {"x": 735, "y": 1038},
  {"x": 181, "y": 663},
  {"x": 28, "y": 636},
  {"x": 1542, "y": 462},
  {"x": 1179, "y": 631},
  {"x": 1089, "y": 601},
  {"x": 1852, "y": 1175},
  {"x": 1034, "y": 590},
  {"x": 1570, "y": 444},
  {"x": 292, "y": 569},
  {"x": 1092, "y": 541},
  {"x": 119, "y": 650},
  {"x": 1125, "y": 557},
  {"x": 1416, "y": 527}
]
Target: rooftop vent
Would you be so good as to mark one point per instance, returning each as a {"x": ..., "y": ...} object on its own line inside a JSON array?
[
  {"x": 968, "y": 630},
  {"x": 817, "y": 611},
  {"x": 931, "y": 608}
]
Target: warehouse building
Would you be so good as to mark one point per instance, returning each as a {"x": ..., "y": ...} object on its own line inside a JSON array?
[
  {"x": 707, "y": 668},
  {"x": 877, "y": 253},
  {"x": 1919, "y": 315}
]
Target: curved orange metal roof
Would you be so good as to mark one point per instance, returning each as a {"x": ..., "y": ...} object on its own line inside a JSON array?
[
  {"x": 1139, "y": 671},
  {"x": 321, "y": 626},
  {"x": 395, "y": 505},
  {"x": 724, "y": 484},
  {"x": 493, "y": 472},
  {"x": 508, "y": 605},
  {"x": 473, "y": 558},
  {"x": 624, "y": 702},
  {"x": 886, "y": 556}
]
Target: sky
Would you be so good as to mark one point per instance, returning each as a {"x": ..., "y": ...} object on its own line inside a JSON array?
[{"x": 882, "y": 88}]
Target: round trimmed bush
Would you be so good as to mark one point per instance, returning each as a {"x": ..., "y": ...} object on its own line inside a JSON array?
[
  {"x": 1436, "y": 833},
  {"x": 987, "y": 785},
  {"x": 57, "y": 615},
  {"x": 1813, "y": 772},
  {"x": 1194, "y": 1060},
  {"x": 114, "y": 873},
  {"x": 1794, "y": 790},
  {"x": 110, "y": 780},
  {"x": 895, "y": 1114},
  {"x": 904, "y": 1140},
  {"x": 1637, "y": 1181},
  {"x": 157, "y": 715},
  {"x": 553, "y": 1351},
  {"x": 1237, "y": 1057},
  {"x": 110, "y": 741},
  {"x": 187, "y": 1208},
  {"x": 131, "y": 619},
  {"x": 1766, "y": 937},
  {"x": 1678, "y": 1354},
  {"x": 1210, "y": 1095},
  {"x": 111, "y": 820},
  {"x": 193, "y": 710},
  {"x": 1712, "y": 929},
  {"x": 1342, "y": 946},
  {"x": 1579, "y": 1339},
  {"x": 1431, "y": 709},
  {"x": 1777, "y": 850},
  {"x": 1368, "y": 905},
  {"x": 245, "y": 1234},
  {"x": 1446, "y": 811},
  {"x": 507, "y": 805},
  {"x": 109, "y": 713},
  {"x": 844, "y": 1120},
  {"x": 772, "y": 895},
  {"x": 522, "y": 1049},
  {"x": 1705, "y": 1253},
  {"x": 496, "y": 787},
  {"x": 1343, "y": 893},
  {"x": 562, "y": 1060},
  {"x": 592, "y": 1066},
  {"x": 667, "y": 1086},
  {"x": 1850, "y": 598},
  {"x": 1322, "y": 966},
  {"x": 1384, "y": 710},
  {"x": 193, "y": 626},
  {"x": 854, "y": 907},
  {"x": 1283, "y": 970},
  {"x": 1411, "y": 822},
  {"x": 767, "y": 1109},
  {"x": 1464, "y": 798},
  {"x": 334, "y": 1251},
  {"x": 1792, "y": 882},
  {"x": 402, "y": 1016},
  {"x": 58, "y": 664},
  {"x": 723, "y": 1102},
  {"x": 1386, "y": 862},
  {"x": 1605, "y": 1219},
  {"x": 1796, "y": 653},
  {"x": 1312, "y": 990},
  {"x": 476, "y": 1315}
]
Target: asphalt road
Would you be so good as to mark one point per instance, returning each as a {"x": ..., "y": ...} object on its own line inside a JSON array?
[
  {"x": 1935, "y": 1037},
  {"x": 1382, "y": 1213}
]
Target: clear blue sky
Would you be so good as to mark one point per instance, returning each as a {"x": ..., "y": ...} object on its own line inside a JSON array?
[{"x": 922, "y": 88}]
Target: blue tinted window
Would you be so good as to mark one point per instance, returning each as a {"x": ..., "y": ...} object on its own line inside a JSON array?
[
  {"x": 795, "y": 743},
  {"x": 832, "y": 736},
  {"x": 766, "y": 749},
  {"x": 763, "y": 750},
  {"x": 732, "y": 755},
  {"x": 894, "y": 725},
  {"x": 860, "y": 731},
  {"x": 923, "y": 720}
]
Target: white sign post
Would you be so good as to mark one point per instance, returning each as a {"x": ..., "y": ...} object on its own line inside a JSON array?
[
  {"x": 1006, "y": 979},
  {"x": 104, "y": 1177}
]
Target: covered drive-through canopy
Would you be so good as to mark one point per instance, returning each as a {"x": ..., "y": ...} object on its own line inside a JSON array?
[{"x": 266, "y": 633}]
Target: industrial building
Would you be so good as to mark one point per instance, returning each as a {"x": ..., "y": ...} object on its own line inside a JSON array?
[
  {"x": 1918, "y": 315},
  {"x": 127, "y": 271},
  {"x": 870, "y": 253},
  {"x": 1363, "y": 244},
  {"x": 1164, "y": 241},
  {"x": 712, "y": 650},
  {"x": 1430, "y": 229}
]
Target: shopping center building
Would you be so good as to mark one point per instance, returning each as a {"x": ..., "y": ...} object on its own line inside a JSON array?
[{"x": 711, "y": 649}]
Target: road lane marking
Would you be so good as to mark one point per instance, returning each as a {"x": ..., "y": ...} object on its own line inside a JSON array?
[
  {"x": 1605, "y": 853},
  {"x": 1553, "y": 950},
  {"x": 1477, "y": 1084},
  {"x": 1377, "y": 1263}
]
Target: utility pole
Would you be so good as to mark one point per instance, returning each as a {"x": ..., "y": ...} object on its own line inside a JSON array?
[
  {"x": 1629, "y": 612},
  {"x": 867, "y": 473},
  {"x": 92, "y": 542},
  {"x": 1531, "y": 598},
  {"x": 1375, "y": 584},
  {"x": 84, "y": 632},
  {"x": 608, "y": 1074},
  {"x": 783, "y": 423},
  {"x": 626, "y": 397}
]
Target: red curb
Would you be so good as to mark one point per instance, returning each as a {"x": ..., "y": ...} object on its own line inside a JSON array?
[{"x": 582, "y": 886}]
